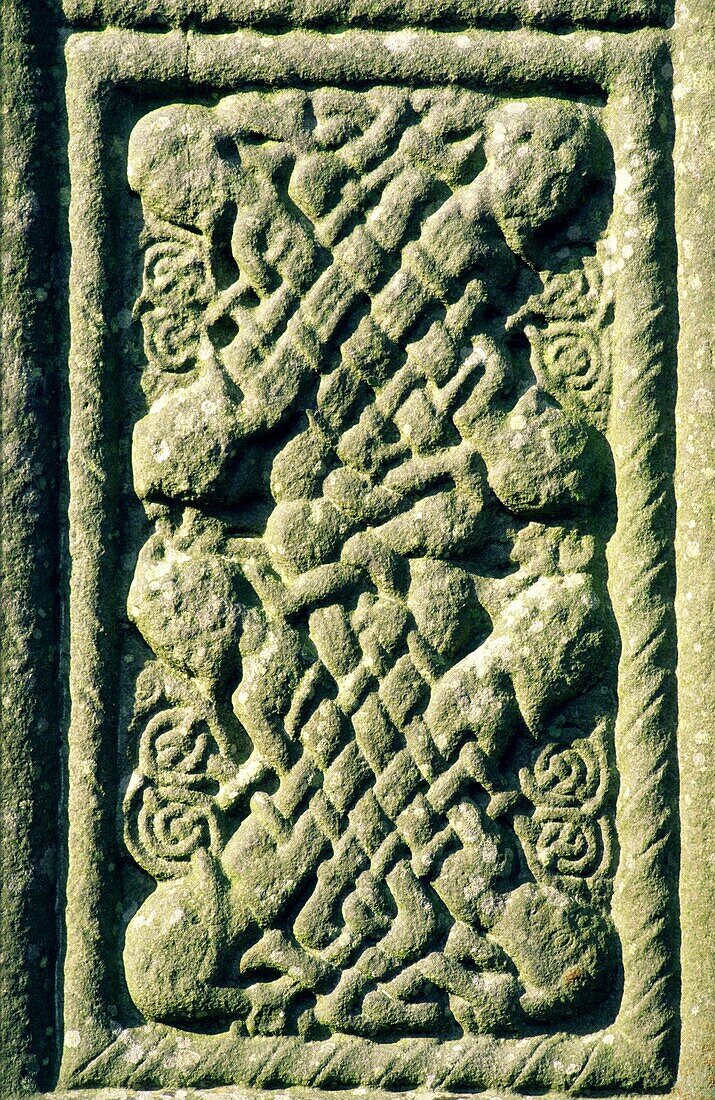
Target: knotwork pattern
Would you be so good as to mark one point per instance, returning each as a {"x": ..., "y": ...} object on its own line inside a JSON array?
[{"x": 374, "y": 771}]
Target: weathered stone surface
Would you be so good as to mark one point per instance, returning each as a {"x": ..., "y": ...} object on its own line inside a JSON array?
[{"x": 377, "y": 756}]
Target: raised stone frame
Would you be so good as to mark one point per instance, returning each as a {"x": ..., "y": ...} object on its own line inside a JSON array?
[{"x": 661, "y": 904}]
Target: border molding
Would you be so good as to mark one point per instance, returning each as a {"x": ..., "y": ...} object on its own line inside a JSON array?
[
  {"x": 694, "y": 156},
  {"x": 280, "y": 15},
  {"x": 33, "y": 354}
]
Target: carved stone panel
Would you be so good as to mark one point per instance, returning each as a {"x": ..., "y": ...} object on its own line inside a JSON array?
[
  {"x": 393, "y": 683},
  {"x": 372, "y": 733}
]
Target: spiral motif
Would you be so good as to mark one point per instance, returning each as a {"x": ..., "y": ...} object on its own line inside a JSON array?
[
  {"x": 566, "y": 776},
  {"x": 175, "y": 748},
  {"x": 171, "y": 340},
  {"x": 165, "y": 827},
  {"x": 569, "y": 834},
  {"x": 176, "y": 276},
  {"x": 570, "y": 352},
  {"x": 572, "y": 357},
  {"x": 570, "y": 845},
  {"x": 572, "y": 360},
  {"x": 175, "y": 269}
]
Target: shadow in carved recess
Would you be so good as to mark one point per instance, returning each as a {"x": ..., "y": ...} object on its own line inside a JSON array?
[{"x": 374, "y": 775}]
